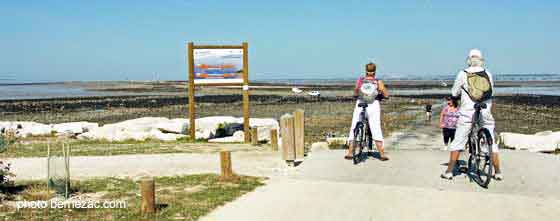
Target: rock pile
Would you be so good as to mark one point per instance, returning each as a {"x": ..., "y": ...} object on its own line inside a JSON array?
[
  {"x": 539, "y": 142},
  {"x": 158, "y": 128}
]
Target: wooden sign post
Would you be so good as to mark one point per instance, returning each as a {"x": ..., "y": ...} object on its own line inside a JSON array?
[{"x": 225, "y": 81}]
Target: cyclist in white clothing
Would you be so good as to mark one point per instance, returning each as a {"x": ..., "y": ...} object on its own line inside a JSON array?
[
  {"x": 466, "y": 112},
  {"x": 373, "y": 111}
]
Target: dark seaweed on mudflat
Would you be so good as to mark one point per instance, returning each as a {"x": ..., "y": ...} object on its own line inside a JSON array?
[
  {"x": 522, "y": 99},
  {"x": 100, "y": 103}
]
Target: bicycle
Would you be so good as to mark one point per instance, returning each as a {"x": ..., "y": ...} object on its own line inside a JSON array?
[
  {"x": 479, "y": 145},
  {"x": 362, "y": 135}
]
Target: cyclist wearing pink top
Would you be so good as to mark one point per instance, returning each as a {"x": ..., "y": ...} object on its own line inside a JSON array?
[{"x": 373, "y": 112}]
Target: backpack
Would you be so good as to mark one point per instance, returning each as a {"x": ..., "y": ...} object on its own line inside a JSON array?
[{"x": 480, "y": 86}]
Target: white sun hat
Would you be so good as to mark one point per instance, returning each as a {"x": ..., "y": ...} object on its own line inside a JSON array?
[{"x": 475, "y": 53}]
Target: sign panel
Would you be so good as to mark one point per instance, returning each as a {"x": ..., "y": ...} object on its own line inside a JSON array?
[{"x": 218, "y": 66}]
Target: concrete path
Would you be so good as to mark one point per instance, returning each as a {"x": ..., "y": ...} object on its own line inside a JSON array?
[
  {"x": 286, "y": 200},
  {"x": 408, "y": 187}
]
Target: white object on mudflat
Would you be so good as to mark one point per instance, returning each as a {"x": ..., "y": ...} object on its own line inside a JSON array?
[
  {"x": 542, "y": 141},
  {"x": 314, "y": 93}
]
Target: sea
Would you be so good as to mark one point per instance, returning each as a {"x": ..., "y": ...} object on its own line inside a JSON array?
[{"x": 534, "y": 84}]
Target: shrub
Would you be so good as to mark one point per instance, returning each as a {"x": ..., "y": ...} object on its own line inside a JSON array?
[{"x": 5, "y": 174}]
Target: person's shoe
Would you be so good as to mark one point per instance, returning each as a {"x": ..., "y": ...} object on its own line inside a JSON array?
[
  {"x": 447, "y": 176},
  {"x": 498, "y": 177},
  {"x": 348, "y": 157},
  {"x": 383, "y": 158}
]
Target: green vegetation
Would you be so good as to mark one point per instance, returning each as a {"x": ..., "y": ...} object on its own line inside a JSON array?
[
  {"x": 29, "y": 147},
  {"x": 178, "y": 197}
]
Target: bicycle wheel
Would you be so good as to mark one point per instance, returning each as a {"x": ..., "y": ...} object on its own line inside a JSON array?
[
  {"x": 368, "y": 138},
  {"x": 358, "y": 142},
  {"x": 482, "y": 158}
]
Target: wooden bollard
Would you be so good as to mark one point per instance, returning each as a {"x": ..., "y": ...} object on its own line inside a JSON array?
[
  {"x": 225, "y": 163},
  {"x": 287, "y": 132},
  {"x": 299, "y": 133},
  {"x": 254, "y": 136},
  {"x": 274, "y": 139},
  {"x": 147, "y": 190}
]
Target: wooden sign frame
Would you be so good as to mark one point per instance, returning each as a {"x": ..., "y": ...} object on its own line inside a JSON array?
[{"x": 245, "y": 85}]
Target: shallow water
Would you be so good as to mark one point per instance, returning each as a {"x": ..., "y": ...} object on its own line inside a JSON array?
[
  {"x": 499, "y": 90},
  {"x": 41, "y": 91}
]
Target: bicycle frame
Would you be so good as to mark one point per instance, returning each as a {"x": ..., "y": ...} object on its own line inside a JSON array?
[
  {"x": 475, "y": 127},
  {"x": 365, "y": 122}
]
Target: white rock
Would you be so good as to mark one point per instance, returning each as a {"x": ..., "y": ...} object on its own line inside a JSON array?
[
  {"x": 74, "y": 127},
  {"x": 543, "y": 141},
  {"x": 145, "y": 124},
  {"x": 108, "y": 132},
  {"x": 157, "y": 128},
  {"x": 336, "y": 140},
  {"x": 319, "y": 146},
  {"x": 204, "y": 134},
  {"x": 178, "y": 126},
  {"x": 238, "y": 136},
  {"x": 158, "y": 135},
  {"x": 34, "y": 129},
  {"x": 11, "y": 125},
  {"x": 210, "y": 124},
  {"x": 26, "y": 128}
]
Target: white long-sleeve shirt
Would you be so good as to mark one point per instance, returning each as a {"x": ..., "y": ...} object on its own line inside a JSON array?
[{"x": 467, "y": 104}]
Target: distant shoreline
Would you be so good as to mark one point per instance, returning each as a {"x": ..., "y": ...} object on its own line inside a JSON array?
[{"x": 128, "y": 89}]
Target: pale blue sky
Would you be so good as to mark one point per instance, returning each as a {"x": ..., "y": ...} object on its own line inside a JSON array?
[{"x": 117, "y": 40}]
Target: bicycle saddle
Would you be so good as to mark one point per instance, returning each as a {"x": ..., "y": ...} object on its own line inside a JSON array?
[
  {"x": 362, "y": 105},
  {"x": 480, "y": 106}
]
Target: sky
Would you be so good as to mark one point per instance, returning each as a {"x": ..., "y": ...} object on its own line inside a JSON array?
[{"x": 131, "y": 40}]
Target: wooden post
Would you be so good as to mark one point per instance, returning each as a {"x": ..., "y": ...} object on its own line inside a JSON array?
[
  {"x": 190, "y": 62},
  {"x": 287, "y": 132},
  {"x": 225, "y": 163},
  {"x": 48, "y": 165},
  {"x": 147, "y": 190},
  {"x": 246, "y": 91},
  {"x": 66, "y": 153},
  {"x": 255, "y": 136},
  {"x": 274, "y": 139},
  {"x": 299, "y": 133}
]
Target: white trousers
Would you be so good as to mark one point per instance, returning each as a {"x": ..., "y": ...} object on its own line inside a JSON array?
[
  {"x": 464, "y": 124},
  {"x": 374, "y": 117}
]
